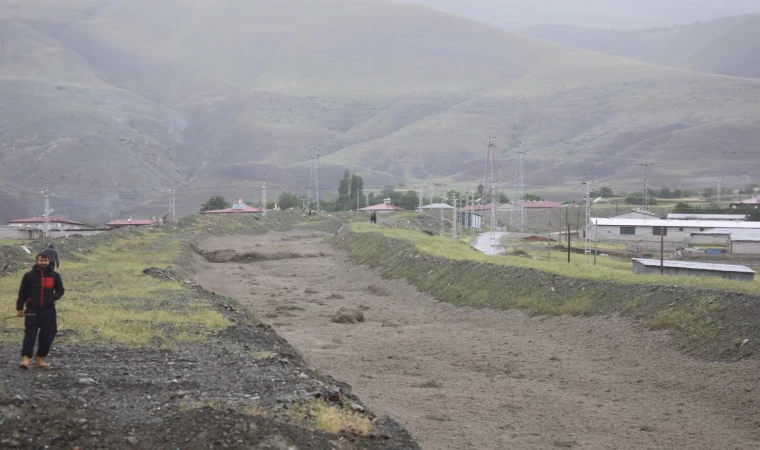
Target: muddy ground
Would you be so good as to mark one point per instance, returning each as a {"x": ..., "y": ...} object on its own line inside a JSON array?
[{"x": 461, "y": 378}]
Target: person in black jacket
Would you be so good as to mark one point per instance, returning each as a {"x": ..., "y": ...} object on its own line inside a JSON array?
[
  {"x": 52, "y": 256},
  {"x": 40, "y": 288}
]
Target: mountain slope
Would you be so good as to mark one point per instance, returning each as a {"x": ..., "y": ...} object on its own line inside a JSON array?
[
  {"x": 728, "y": 46},
  {"x": 112, "y": 102},
  {"x": 620, "y": 14}
]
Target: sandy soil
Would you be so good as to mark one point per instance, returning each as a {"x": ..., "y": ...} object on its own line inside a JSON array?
[{"x": 460, "y": 378}]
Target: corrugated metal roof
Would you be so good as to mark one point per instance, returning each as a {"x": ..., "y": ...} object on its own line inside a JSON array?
[
  {"x": 640, "y": 211},
  {"x": 675, "y": 223},
  {"x": 672, "y": 216},
  {"x": 695, "y": 265}
]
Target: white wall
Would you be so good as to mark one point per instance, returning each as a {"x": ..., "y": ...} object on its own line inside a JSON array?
[{"x": 746, "y": 247}]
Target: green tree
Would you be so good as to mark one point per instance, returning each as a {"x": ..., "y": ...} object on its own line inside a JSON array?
[
  {"x": 709, "y": 192},
  {"x": 666, "y": 193},
  {"x": 289, "y": 200},
  {"x": 503, "y": 198},
  {"x": 606, "y": 192},
  {"x": 533, "y": 198},
  {"x": 214, "y": 203},
  {"x": 480, "y": 192},
  {"x": 637, "y": 198},
  {"x": 408, "y": 201},
  {"x": 682, "y": 208},
  {"x": 388, "y": 191}
]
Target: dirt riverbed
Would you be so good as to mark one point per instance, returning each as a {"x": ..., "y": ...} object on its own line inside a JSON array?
[{"x": 461, "y": 378}]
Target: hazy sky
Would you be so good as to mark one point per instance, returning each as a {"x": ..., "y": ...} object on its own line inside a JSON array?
[{"x": 621, "y": 14}]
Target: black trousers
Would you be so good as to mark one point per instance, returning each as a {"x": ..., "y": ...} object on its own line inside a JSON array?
[{"x": 43, "y": 325}]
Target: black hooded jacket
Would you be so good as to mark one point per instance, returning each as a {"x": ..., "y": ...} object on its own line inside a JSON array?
[
  {"x": 53, "y": 256},
  {"x": 40, "y": 289}
]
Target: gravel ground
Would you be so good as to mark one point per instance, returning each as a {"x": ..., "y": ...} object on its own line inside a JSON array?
[
  {"x": 239, "y": 388},
  {"x": 461, "y": 378}
]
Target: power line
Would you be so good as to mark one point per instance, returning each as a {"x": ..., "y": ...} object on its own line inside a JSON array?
[
  {"x": 519, "y": 193},
  {"x": 314, "y": 176}
]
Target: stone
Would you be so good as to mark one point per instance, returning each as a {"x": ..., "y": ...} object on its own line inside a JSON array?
[
  {"x": 86, "y": 381},
  {"x": 348, "y": 316}
]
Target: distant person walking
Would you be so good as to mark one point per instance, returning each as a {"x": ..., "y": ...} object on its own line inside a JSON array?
[
  {"x": 40, "y": 288},
  {"x": 52, "y": 256}
]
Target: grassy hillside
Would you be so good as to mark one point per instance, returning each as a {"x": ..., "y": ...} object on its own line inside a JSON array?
[
  {"x": 112, "y": 102},
  {"x": 727, "y": 46}
]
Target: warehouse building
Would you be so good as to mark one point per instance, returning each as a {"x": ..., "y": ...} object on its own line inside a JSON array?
[
  {"x": 730, "y": 217},
  {"x": 693, "y": 269},
  {"x": 672, "y": 230}
]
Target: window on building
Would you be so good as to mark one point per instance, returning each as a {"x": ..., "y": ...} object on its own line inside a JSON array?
[
  {"x": 660, "y": 231},
  {"x": 628, "y": 230},
  {"x": 680, "y": 229},
  {"x": 701, "y": 229}
]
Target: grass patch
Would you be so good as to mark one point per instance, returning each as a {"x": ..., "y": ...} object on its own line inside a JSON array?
[
  {"x": 109, "y": 299},
  {"x": 333, "y": 419},
  {"x": 671, "y": 318},
  {"x": 607, "y": 268}
]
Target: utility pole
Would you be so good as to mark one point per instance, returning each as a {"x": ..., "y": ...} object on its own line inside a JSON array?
[
  {"x": 586, "y": 230},
  {"x": 422, "y": 196},
  {"x": 662, "y": 250},
  {"x": 366, "y": 195},
  {"x": 46, "y": 226},
  {"x": 518, "y": 223},
  {"x": 646, "y": 165},
  {"x": 443, "y": 202},
  {"x": 264, "y": 198},
  {"x": 719, "y": 180},
  {"x": 568, "y": 236},
  {"x": 455, "y": 223},
  {"x": 314, "y": 176},
  {"x": 173, "y": 205}
]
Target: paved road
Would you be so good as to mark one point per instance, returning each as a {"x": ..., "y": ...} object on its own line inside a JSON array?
[{"x": 483, "y": 243}]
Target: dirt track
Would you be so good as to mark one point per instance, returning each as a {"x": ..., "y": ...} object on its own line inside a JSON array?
[{"x": 460, "y": 378}]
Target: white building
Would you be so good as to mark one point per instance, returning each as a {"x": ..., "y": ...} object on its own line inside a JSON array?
[
  {"x": 604, "y": 229},
  {"x": 635, "y": 214},
  {"x": 435, "y": 207}
]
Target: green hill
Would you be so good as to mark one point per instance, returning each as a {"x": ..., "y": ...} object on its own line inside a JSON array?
[
  {"x": 112, "y": 102},
  {"x": 728, "y": 46}
]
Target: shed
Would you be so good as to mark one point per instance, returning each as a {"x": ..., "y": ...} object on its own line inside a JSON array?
[
  {"x": 131, "y": 223},
  {"x": 471, "y": 220},
  {"x": 693, "y": 269},
  {"x": 749, "y": 203}
]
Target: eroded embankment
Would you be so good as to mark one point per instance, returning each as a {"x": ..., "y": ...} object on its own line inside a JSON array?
[{"x": 710, "y": 324}]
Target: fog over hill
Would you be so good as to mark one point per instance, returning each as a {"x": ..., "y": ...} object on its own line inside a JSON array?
[
  {"x": 110, "y": 103},
  {"x": 600, "y": 14},
  {"x": 727, "y": 46}
]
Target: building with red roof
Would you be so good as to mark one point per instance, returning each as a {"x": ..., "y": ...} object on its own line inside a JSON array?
[
  {"x": 753, "y": 202},
  {"x": 39, "y": 221}
]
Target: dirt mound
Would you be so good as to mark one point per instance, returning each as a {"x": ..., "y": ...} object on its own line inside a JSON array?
[
  {"x": 346, "y": 315},
  {"x": 536, "y": 239}
]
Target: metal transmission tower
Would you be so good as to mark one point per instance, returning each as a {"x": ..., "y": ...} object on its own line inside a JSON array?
[
  {"x": 264, "y": 198},
  {"x": 489, "y": 177},
  {"x": 517, "y": 214},
  {"x": 314, "y": 176},
  {"x": 586, "y": 247},
  {"x": 46, "y": 226},
  {"x": 719, "y": 180},
  {"x": 646, "y": 183}
]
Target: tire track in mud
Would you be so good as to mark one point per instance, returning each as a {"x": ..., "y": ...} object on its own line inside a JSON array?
[{"x": 460, "y": 378}]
